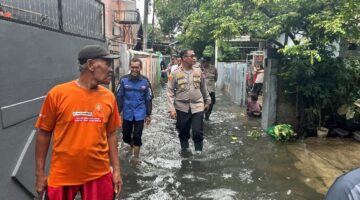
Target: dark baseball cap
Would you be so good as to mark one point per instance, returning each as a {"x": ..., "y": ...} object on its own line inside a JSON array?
[{"x": 93, "y": 52}]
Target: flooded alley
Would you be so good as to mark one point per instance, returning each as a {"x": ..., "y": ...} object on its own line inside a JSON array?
[
  {"x": 233, "y": 165},
  {"x": 71, "y": 69}
]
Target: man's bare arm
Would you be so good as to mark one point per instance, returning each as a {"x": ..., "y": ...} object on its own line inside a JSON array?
[
  {"x": 115, "y": 163},
  {"x": 43, "y": 139}
]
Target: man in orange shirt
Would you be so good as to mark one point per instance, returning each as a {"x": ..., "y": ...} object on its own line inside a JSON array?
[{"x": 81, "y": 117}]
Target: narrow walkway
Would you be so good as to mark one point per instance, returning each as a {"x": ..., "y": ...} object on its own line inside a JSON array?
[
  {"x": 321, "y": 160},
  {"x": 233, "y": 165}
]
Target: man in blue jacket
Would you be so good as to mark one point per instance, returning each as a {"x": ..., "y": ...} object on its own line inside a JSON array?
[{"x": 134, "y": 97}]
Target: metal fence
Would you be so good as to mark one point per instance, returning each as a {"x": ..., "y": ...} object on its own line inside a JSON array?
[
  {"x": 40, "y": 12},
  {"x": 83, "y": 17},
  {"x": 232, "y": 78},
  {"x": 80, "y": 17}
]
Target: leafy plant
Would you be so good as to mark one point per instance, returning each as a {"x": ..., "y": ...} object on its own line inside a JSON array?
[
  {"x": 209, "y": 51},
  {"x": 313, "y": 83},
  {"x": 350, "y": 111},
  {"x": 281, "y": 132},
  {"x": 255, "y": 134},
  {"x": 229, "y": 53}
]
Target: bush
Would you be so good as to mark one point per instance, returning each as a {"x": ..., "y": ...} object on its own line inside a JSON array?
[{"x": 281, "y": 132}]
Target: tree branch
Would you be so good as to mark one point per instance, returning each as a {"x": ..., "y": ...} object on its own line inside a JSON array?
[
  {"x": 276, "y": 43},
  {"x": 292, "y": 36}
]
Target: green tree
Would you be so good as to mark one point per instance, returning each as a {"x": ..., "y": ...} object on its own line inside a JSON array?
[
  {"x": 317, "y": 23},
  {"x": 172, "y": 16},
  {"x": 311, "y": 28},
  {"x": 156, "y": 40},
  {"x": 171, "y": 13},
  {"x": 209, "y": 51},
  {"x": 154, "y": 36}
]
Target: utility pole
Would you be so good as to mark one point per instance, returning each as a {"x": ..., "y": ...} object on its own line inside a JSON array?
[
  {"x": 153, "y": 25},
  {"x": 146, "y": 13},
  {"x": 216, "y": 52}
]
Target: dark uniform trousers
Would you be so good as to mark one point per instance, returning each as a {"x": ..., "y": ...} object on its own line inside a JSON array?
[
  {"x": 213, "y": 99},
  {"x": 132, "y": 132},
  {"x": 188, "y": 120},
  {"x": 257, "y": 88}
]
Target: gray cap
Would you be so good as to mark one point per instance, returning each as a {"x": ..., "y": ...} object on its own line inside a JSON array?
[{"x": 93, "y": 52}]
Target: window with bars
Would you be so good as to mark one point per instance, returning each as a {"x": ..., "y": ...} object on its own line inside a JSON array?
[{"x": 80, "y": 17}]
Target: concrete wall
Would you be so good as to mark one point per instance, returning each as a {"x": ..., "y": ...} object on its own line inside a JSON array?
[
  {"x": 286, "y": 111},
  {"x": 32, "y": 61},
  {"x": 128, "y": 31},
  {"x": 278, "y": 107},
  {"x": 269, "y": 94},
  {"x": 110, "y": 5}
]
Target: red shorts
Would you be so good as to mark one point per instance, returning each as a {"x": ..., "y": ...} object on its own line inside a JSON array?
[{"x": 98, "y": 189}]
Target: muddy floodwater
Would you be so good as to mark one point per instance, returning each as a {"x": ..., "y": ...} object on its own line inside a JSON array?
[{"x": 232, "y": 166}]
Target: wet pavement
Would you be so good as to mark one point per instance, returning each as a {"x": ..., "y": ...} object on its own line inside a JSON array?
[{"x": 233, "y": 165}]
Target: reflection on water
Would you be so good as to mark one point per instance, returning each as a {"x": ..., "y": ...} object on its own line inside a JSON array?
[{"x": 233, "y": 166}]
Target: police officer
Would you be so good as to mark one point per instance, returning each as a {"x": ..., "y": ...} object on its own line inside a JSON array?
[
  {"x": 134, "y": 98},
  {"x": 187, "y": 99},
  {"x": 211, "y": 76}
]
